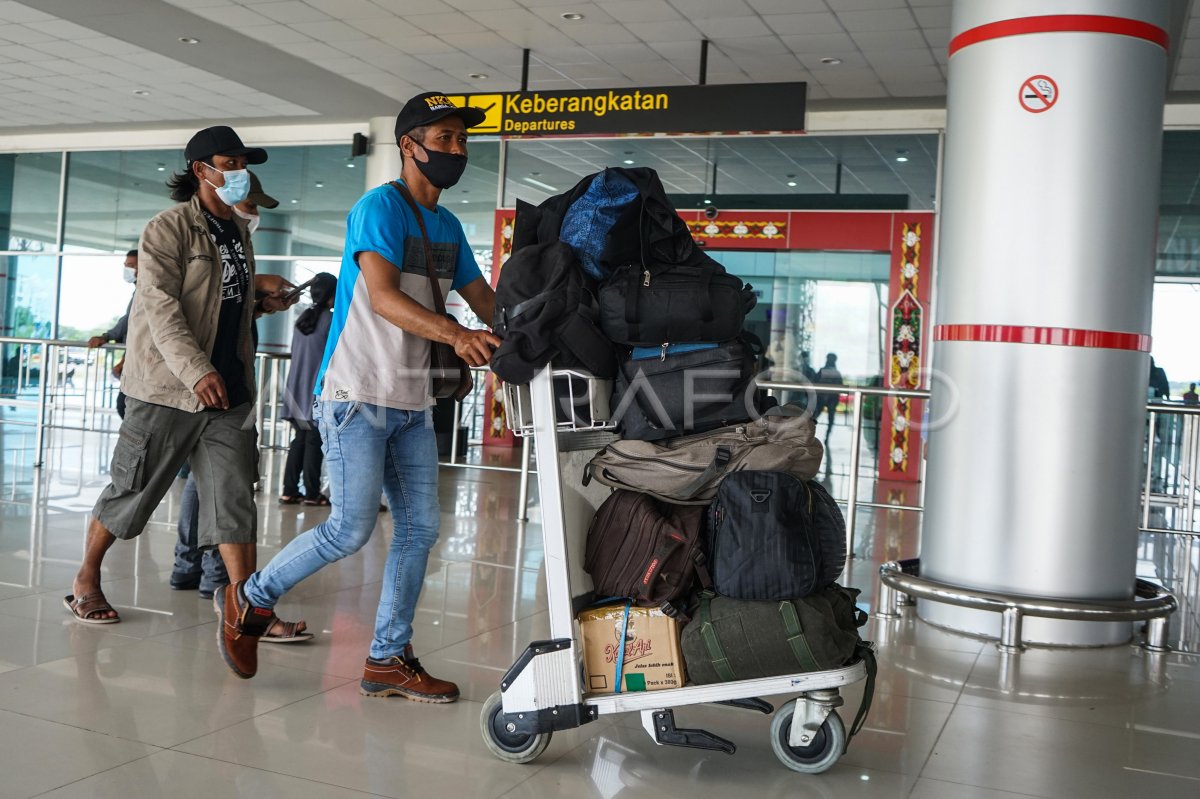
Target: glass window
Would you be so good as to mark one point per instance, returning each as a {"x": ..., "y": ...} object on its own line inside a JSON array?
[
  {"x": 94, "y": 295},
  {"x": 29, "y": 185},
  {"x": 316, "y": 186},
  {"x": 820, "y": 303},
  {"x": 112, "y": 195},
  {"x": 779, "y": 172},
  {"x": 1179, "y": 209}
]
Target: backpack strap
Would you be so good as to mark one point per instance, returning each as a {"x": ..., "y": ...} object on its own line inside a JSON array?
[
  {"x": 866, "y": 651},
  {"x": 721, "y": 458},
  {"x": 716, "y": 652},
  {"x": 796, "y": 639}
]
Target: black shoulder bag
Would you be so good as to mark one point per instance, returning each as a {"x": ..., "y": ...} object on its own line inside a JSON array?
[{"x": 449, "y": 375}]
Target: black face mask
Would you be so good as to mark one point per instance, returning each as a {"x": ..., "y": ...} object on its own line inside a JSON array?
[{"x": 442, "y": 169}]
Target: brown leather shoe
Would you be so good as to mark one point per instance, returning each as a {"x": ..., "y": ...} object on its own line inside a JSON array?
[
  {"x": 403, "y": 676},
  {"x": 240, "y": 625}
]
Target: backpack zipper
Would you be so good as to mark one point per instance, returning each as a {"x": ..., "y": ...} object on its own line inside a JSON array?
[{"x": 646, "y": 278}]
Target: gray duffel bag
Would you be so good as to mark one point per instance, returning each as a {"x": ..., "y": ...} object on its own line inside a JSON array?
[{"x": 687, "y": 470}]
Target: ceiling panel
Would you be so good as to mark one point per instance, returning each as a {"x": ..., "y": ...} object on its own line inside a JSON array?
[{"x": 327, "y": 58}]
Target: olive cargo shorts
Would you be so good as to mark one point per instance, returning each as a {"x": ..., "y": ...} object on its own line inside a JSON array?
[{"x": 152, "y": 445}]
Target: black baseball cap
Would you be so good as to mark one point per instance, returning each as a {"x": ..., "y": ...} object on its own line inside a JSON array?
[
  {"x": 427, "y": 108},
  {"x": 221, "y": 140}
]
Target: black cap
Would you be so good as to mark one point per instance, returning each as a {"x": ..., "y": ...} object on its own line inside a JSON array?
[
  {"x": 427, "y": 108},
  {"x": 221, "y": 140}
]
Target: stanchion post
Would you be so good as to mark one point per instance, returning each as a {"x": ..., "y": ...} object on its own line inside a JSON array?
[{"x": 852, "y": 492}]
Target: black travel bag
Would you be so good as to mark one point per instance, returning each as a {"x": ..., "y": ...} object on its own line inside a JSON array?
[
  {"x": 641, "y": 305},
  {"x": 773, "y": 536},
  {"x": 677, "y": 389},
  {"x": 645, "y": 549}
]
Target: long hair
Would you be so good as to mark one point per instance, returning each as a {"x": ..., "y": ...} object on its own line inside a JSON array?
[
  {"x": 322, "y": 292},
  {"x": 183, "y": 185}
]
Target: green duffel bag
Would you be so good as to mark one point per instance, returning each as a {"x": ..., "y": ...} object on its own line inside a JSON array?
[{"x": 736, "y": 639}]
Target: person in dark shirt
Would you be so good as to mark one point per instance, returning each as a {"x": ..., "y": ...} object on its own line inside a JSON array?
[
  {"x": 117, "y": 332},
  {"x": 308, "y": 349}
]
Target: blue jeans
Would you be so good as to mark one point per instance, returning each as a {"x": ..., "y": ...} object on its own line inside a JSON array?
[
  {"x": 190, "y": 561},
  {"x": 368, "y": 448}
]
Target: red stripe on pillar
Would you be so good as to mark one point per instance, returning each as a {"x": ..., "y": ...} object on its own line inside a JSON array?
[
  {"x": 1061, "y": 23},
  {"x": 1058, "y": 336}
]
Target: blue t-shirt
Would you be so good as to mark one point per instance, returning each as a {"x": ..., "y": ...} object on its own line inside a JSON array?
[{"x": 367, "y": 358}]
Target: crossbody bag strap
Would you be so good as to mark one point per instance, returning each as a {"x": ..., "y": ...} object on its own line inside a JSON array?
[{"x": 439, "y": 304}]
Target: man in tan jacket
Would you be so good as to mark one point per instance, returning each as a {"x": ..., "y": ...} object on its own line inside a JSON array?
[{"x": 189, "y": 371}]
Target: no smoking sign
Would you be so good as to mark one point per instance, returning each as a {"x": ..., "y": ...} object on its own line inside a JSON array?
[{"x": 1038, "y": 93}]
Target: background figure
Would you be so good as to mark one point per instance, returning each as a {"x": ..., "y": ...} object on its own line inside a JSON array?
[
  {"x": 117, "y": 332},
  {"x": 1190, "y": 397},
  {"x": 828, "y": 400},
  {"x": 308, "y": 348},
  {"x": 1159, "y": 386},
  {"x": 195, "y": 568}
]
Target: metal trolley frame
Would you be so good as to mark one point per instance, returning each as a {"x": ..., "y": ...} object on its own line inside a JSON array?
[{"x": 543, "y": 690}]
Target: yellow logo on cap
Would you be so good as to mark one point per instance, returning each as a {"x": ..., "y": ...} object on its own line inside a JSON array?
[
  {"x": 439, "y": 102},
  {"x": 492, "y": 105}
]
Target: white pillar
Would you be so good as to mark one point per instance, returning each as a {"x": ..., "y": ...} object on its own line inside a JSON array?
[
  {"x": 1046, "y": 272},
  {"x": 383, "y": 156}
]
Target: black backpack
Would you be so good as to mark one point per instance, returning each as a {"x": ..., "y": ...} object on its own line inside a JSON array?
[
  {"x": 645, "y": 549},
  {"x": 773, "y": 536},
  {"x": 546, "y": 312}
]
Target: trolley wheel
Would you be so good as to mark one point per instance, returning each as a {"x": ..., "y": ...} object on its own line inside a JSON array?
[
  {"x": 820, "y": 755},
  {"x": 512, "y": 747}
]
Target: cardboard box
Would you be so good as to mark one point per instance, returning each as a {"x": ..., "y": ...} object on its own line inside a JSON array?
[{"x": 652, "y": 659}]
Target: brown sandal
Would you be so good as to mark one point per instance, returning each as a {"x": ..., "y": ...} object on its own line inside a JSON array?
[
  {"x": 84, "y": 606},
  {"x": 292, "y": 634}
]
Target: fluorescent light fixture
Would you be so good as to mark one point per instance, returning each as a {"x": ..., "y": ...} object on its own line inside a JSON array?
[{"x": 539, "y": 184}]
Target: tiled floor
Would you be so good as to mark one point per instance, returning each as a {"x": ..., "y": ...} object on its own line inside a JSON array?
[{"x": 146, "y": 708}]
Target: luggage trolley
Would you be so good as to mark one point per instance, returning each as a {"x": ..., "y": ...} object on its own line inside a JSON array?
[{"x": 544, "y": 689}]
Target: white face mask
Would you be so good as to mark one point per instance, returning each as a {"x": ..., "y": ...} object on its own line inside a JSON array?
[
  {"x": 252, "y": 220},
  {"x": 130, "y": 275}
]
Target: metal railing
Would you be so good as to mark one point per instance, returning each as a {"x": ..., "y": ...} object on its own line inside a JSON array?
[
  {"x": 901, "y": 583},
  {"x": 77, "y": 392}
]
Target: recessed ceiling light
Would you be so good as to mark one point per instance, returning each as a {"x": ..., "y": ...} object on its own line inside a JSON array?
[
  {"x": 188, "y": 40},
  {"x": 708, "y": 202},
  {"x": 161, "y": 167},
  {"x": 141, "y": 93},
  {"x": 791, "y": 183},
  {"x": 319, "y": 185},
  {"x": 294, "y": 201},
  {"x": 350, "y": 165},
  {"x": 571, "y": 16},
  {"x": 477, "y": 75},
  {"x": 829, "y": 61},
  {"x": 464, "y": 202},
  {"x": 627, "y": 161},
  {"x": 902, "y": 159}
]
